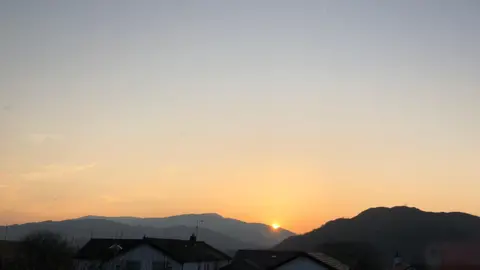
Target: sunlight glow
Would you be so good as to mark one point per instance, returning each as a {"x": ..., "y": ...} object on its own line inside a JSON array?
[{"x": 275, "y": 226}]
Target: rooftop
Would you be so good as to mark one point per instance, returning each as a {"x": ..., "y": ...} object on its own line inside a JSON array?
[
  {"x": 270, "y": 259},
  {"x": 182, "y": 251}
]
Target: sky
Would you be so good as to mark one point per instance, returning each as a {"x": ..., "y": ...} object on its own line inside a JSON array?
[{"x": 293, "y": 112}]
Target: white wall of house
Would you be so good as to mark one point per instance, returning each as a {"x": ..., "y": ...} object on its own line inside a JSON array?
[
  {"x": 302, "y": 263},
  {"x": 144, "y": 254}
]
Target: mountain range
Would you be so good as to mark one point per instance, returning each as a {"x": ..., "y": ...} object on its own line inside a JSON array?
[
  {"x": 370, "y": 239},
  {"x": 256, "y": 233},
  {"x": 223, "y": 233}
]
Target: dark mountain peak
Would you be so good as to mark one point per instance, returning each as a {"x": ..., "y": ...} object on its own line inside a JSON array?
[
  {"x": 407, "y": 230},
  {"x": 331, "y": 223},
  {"x": 378, "y": 212},
  {"x": 406, "y": 209},
  {"x": 212, "y": 215}
]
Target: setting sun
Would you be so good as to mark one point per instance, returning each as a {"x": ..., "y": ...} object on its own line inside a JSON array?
[{"x": 275, "y": 226}]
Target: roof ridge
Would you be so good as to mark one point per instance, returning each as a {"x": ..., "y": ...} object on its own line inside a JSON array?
[
  {"x": 250, "y": 262},
  {"x": 177, "y": 249},
  {"x": 173, "y": 239},
  {"x": 328, "y": 260}
]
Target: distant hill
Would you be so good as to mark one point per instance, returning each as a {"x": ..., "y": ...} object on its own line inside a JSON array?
[
  {"x": 385, "y": 231},
  {"x": 259, "y": 234},
  {"x": 81, "y": 230}
]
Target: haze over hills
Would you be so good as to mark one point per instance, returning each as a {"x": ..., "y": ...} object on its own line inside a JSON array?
[
  {"x": 257, "y": 233},
  {"x": 224, "y": 233},
  {"x": 81, "y": 230},
  {"x": 386, "y": 231}
]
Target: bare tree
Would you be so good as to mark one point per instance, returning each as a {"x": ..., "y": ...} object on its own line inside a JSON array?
[{"x": 45, "y": 251}]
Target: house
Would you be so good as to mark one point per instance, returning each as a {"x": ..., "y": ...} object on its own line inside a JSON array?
[
  {"x": 149, "y": 254},
  {"x": 283, "y": 260}
]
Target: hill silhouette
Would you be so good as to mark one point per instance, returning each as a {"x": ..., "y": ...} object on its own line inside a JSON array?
[
  {"x": 223, "y": 233},
  {"x": 386, "y": 231},
  {"x": 81, "y": 230},
  {"x": 259, "y": 234}
]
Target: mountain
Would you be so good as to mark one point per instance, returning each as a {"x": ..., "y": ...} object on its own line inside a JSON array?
[
  {"x": 260, "y": 234},
  {"x": 385, "y": 231},
  {"x": 80, "y": 230}
]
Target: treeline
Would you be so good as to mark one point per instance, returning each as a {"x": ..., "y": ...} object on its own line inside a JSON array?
[{"x": 41, "y": 250}]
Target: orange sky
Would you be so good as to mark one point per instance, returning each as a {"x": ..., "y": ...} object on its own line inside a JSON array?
[
  {"x": 60, "y": 192},
  {"x": 289, "y": 113}
]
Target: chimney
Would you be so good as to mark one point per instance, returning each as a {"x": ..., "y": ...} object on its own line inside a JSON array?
[{"x": 193, "y": 238}]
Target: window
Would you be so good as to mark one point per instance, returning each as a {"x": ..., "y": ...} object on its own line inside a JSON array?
[
  {"x": 206, "y": 266},
  {"x": 133, "y": 265}
]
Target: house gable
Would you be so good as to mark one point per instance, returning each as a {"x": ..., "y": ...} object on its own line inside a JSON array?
[
  {"x": 146, "y": 255},
  {"x": 302, "y": 262},
  {"x": 284, "y": 260}
]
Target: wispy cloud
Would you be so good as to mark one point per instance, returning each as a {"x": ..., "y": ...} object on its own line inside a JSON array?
[
  {"x": 3, "y": 186},
  {"x": 56, "y": 171},
  {"x": 39, "y": 138}
]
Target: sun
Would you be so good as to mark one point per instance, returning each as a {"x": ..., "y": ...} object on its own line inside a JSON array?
[{"x": 275, "y": 226}]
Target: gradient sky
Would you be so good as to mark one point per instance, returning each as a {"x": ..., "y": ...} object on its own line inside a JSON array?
[{"x": 293, "y": 112}]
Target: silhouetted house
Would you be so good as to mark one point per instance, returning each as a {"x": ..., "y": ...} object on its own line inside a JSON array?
[
  {"x": 149, "y": 254},
  {"x": 283, "y": 260}
]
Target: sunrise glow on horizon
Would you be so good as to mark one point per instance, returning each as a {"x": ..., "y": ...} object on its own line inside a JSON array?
[{"x": 297, "y": 112}]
